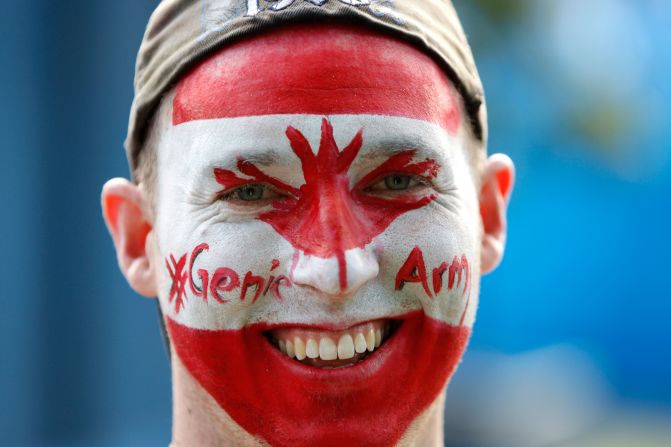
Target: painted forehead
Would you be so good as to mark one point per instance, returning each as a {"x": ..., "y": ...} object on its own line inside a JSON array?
[{"x": 322, "y": 70}]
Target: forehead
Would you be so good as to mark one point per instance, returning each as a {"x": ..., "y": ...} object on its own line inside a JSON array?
[{"x": 321, "y": 70}]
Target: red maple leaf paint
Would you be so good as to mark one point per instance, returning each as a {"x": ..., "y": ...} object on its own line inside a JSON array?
[{"x": 325, "y": 217}]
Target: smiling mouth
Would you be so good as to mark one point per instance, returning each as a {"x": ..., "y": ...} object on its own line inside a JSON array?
[{"x": 332, "y": 349}]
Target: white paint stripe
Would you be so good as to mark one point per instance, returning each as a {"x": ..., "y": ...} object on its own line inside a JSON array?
[{"x": 186, "y": 160}]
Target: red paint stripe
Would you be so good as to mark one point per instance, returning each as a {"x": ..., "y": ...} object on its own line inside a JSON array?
[
  {"x": 342, "y": 269},
  {"x": 314, "y": 69},
  {"x": 294, "y": 263},
  {"x": 288, "y": 404}
]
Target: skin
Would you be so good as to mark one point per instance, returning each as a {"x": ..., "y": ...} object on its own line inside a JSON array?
[{"x": 362, "y": 92}]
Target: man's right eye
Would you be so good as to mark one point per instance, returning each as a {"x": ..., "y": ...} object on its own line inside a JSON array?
[{"x": 252, "y": 192}]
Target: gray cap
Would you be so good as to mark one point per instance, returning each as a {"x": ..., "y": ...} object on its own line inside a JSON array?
[{"x": 181, "y": 33}]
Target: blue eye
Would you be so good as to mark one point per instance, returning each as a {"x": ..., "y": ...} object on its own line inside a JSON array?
[
  {"x": 249, "y": 193},
  {"x": 397, "y": 182}
]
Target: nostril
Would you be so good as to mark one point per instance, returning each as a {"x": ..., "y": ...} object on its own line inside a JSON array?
[{"x": 312, "y": 289}]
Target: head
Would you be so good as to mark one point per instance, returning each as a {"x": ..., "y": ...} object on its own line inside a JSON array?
[{"x": 314, "y": 212}]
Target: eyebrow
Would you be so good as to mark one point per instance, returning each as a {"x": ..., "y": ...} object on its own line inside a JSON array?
[
  {"x": 392, "y": 146},
  {"x": 381, "y": 149},
  {"x": 267, "y": 157}
]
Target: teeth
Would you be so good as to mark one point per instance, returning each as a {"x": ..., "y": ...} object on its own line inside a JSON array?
[
  {"x": 327, "y": 349},
  {"x": 303, "y": 343},
  {"x": 370, "y": 340},
  {"x": 299, "y": 348},
  {"x": 345, "y": 347},
  {"x": 311, "y": 349},
  {"x": 360, "y": 343},
  {"x": 290, "y": 348}
]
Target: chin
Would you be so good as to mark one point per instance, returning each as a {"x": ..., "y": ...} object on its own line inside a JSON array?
[{"x": 359, "y": 384}]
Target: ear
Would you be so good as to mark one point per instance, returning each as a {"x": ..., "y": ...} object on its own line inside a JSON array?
[
  {"x": 129, "y": 224},
  {"x": 497, "y": 185}
]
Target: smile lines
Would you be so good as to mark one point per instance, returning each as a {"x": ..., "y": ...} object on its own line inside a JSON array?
[{"x": 328, "y": 349}]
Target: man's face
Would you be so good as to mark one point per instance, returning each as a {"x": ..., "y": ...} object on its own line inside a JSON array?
[{"x": 318, "y": 231}]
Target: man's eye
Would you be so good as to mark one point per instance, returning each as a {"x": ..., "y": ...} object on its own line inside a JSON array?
[
  {"x": 397, "y": 182},
  {"x": 250, "y": 193}
]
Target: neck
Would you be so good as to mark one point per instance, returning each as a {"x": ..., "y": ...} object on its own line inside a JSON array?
[
  {"x": 427, "y": 430},
  {"x": 198, "y": 419}
]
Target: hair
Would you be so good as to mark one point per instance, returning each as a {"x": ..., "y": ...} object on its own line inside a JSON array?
[{"x": 145, "y": 169}]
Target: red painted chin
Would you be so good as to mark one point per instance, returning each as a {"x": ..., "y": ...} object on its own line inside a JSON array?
[{"x": 288, "y": 403}]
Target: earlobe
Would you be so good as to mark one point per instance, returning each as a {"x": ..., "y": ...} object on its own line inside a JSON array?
[
  {"x": 497, "y": 185},
  {"x": 129, "y": 225}
]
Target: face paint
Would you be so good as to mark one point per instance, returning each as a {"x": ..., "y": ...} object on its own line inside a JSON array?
[
  {"x": 414, "y": 271},
  {"x": 324, "y": 218},
  {"x": 221, "y": 281},
  {"x": 290, "y": 404},
  {"x": 318, "y": 204}
]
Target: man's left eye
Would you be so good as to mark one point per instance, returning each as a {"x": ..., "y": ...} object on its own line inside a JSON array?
[
  {"x": 394, "y": 182},
  {"x": 397, "y": 182}
]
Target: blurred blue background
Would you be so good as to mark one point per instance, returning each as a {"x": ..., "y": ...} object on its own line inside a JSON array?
[{"x": 572, "y": 342}]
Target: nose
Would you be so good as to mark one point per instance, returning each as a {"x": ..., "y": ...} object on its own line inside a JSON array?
[{"x": 338, "y": 276}]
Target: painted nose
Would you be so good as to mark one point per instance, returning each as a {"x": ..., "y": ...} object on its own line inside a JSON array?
[{"x": 340, "y": 275}]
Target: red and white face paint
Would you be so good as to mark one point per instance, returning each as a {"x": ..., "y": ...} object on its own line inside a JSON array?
[{"x": 315, "y": 200}]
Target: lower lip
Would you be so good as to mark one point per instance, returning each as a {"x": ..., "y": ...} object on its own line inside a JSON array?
[{"x": 287, "y": 403}]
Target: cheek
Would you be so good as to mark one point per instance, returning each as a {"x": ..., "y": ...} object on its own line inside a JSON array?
[
  {"x": 212, "y": 275},
  {"x": 431, "y": 256}
]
